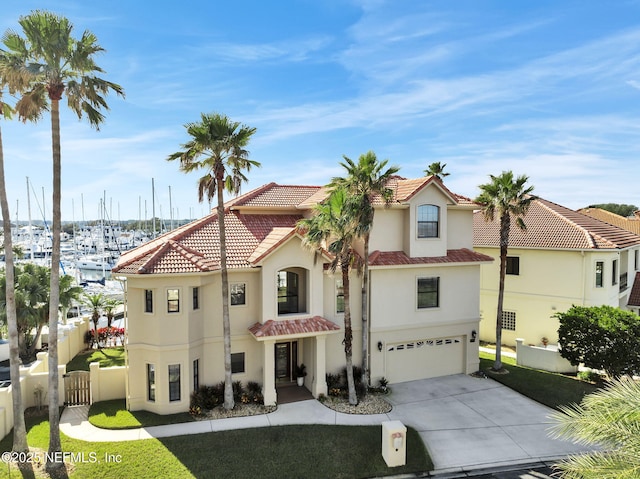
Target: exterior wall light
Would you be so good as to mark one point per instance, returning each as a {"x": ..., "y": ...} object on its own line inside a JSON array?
[
  {"x": 474, "y": 334},
  {"x": 380, "y": 346}
]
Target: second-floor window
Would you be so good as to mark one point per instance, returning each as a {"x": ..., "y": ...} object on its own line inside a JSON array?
[
  {"x": 173, "y": 300},
  {"x": 428, "y": 221},
  {"x": 237, "y": 292},
  {"x": 148, "y": 301},
  {"x": 428, "y": 293},
  {"x": 513, "y": 265},
  {"x": 614, "y": 272},
  {"x": 599, "y": 274},
  {"x": 287, "y": 292}
]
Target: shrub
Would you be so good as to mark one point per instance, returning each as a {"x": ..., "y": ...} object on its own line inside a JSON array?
[
  {"x": 589, "y": 376},
  {"x": 333, "y": 381},
  {"x": 601, "y": 337}
]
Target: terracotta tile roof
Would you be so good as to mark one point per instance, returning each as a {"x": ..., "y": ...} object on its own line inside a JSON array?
[
  {"x": 293, "y": 327},
  {"x": 245, "y": 233},
  {"x": 273, "y": 195},
  {"x": 634, "y": 296},
  {"x": 552, "y": 226},
  {"x": 275, "y": 238},
  {"x": 629, "y": 224},
  {"x": 395, "y": 258}
]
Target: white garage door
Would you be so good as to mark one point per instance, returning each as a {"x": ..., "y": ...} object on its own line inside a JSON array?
[{"x": 424, "y": 358}]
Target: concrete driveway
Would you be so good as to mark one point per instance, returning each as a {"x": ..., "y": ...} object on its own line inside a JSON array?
[{"x": 473, "y": 423}]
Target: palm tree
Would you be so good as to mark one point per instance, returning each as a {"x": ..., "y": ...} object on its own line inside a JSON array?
[
  {"x": 505, "y": 198},
  {"x": 335, "y": 226},
  {"x": 19, "y": 429},
  {"x": 365, "y": 180},
  {"x": 69, "y": 293},
  {"x": 437, "y": 170},
  {"x": 96, "y": 302},
  {"x": 609, "y": 419},
  {"x": 110, "y": 305},
  {"x": 217, "y": 146},
  {"x": 56, "y": 62}
]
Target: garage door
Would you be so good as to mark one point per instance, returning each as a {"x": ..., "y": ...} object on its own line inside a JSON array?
[{"x": 424, "y": 358}]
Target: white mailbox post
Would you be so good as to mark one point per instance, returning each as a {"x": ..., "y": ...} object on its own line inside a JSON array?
[{"x": 394, "y": 443}]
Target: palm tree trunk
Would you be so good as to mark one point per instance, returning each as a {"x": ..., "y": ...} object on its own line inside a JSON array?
[
  {"x": 365, "y": 314},
  {"x": 226, "y": 324},
  {"x": 505, "y": 223},
  {"x": 54, "y": 300},
  {"x": 32, "y": 349},
  {"x": 348, "y": 334},
  {"x": 19, "y": 429}
]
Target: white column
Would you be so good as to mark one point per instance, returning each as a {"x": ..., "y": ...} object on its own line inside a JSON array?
[
  {"x": 269, "y": 373},
  {"x": 319, "y": 384}
]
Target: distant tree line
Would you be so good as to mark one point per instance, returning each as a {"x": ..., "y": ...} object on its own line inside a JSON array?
[{"x": 619, "y": 209}]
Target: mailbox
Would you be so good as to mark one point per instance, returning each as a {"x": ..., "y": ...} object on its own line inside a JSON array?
[{"x": 394, "y": 443}]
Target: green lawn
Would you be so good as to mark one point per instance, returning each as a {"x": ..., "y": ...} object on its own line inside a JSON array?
[
  {"x": 550, "y": 389},
  {"x": 114, "y": 415},
  {"x": 106, "y": 357},
  {"x": 309, "y": 451}
]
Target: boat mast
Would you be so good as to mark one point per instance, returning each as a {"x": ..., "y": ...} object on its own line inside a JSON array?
[
  {"x": 153, "y": 207},
  {"x": 170, "y": 210},
  {"x": 29, "y": 213}
]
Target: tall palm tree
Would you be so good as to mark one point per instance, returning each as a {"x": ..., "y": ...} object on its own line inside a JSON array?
[
  {"x": 57, "y": 63},
  {"x": 609, "y": 419},
  {"x": 110, "y": 305},
  {"x": 19, "y": 429},
  {"x": 335, "y": 227},
  {"x": 217, "y": 146},
  {"x": 69, "y": 293},
  {"x": 437, "y": 170},
  {"x": 504, "y": 197},
  {"x": 96, "y": 302},
  {"x": 365, "y": 180}
]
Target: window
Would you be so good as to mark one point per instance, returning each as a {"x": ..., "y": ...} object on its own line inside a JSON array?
[
  {"x": 614, "y": 272},
  {"x": 151, "y": 382},
  {"x": 509, "y": 320},
  {"x": 513, "y": 265},
  {"x": 287, "y": 292},
  {"x": 636, "y": 257},
  {"x": 148, "y": 301},
  {"x": 428, "y": 219},
  {"x": 195, "y": 292},
  {"x": 238, "y": 294},
  {"x": 173, "y": 301},
  {"x": 599, "y": 273},
  {"x": 196, "y": 374},
  {"x": 237, "y": 363},
  {"x": 428, "y": 292},
  {"x": 339, "y": 296},
  {"x": 174, "y": 382}
]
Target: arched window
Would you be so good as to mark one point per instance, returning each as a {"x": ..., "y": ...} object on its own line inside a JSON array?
[
  {"x": 428, "y": 221},
  {"x": 287, "y": 292}
]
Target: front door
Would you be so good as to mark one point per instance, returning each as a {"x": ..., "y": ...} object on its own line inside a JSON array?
[{"x": 286, "y": 355}]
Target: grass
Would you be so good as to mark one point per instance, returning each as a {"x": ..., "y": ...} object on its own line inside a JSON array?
[
  {"x": 310, "y": 451},
  {"x": 547, "y": 388},
  {"x": 106, "y": 357},
  {"x": 114, "y": 415}
]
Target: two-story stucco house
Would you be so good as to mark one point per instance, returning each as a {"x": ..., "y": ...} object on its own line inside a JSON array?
[
  {"x": 563, "y": 258},
  {"x": 286, "y": 307}
]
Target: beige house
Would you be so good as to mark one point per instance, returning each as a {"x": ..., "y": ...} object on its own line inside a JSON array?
[
  {"x": 563, "y": 258},
  {"x": 286, "y": 307}
]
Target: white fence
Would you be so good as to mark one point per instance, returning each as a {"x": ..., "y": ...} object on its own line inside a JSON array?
[
  {"x": 106, "y": 383},
  {"x": 543, "y": 357}
]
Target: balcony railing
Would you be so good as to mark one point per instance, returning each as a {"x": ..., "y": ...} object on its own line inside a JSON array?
[{"x": 623, "y": 282}]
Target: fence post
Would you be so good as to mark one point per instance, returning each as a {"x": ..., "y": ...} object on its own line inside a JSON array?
[{"x": 94, "y": 369}]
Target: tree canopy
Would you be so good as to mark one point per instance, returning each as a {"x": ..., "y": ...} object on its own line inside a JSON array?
[{"x": 619, "y": 209}]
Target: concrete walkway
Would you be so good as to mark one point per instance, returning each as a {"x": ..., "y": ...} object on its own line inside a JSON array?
[{"x": 466, "y": 423}]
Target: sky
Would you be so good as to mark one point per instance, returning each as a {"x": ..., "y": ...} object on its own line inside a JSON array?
[{"x": 545, "y": 88}]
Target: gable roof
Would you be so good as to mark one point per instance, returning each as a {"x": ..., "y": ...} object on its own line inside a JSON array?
[
  {"x": 272, "y": 196},
  {"x": 553, "y": 226},
  {"x": 629, "y": 224}
]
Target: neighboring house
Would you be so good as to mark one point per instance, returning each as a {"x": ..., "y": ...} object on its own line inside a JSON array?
[
  {"x": 630, "y": 224},
  {"x": 563, "y": 258},
  {"x": 287, "y": 308}
]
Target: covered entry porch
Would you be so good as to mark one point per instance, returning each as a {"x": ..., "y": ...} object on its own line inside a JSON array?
[{"x": 288, "y": 343}]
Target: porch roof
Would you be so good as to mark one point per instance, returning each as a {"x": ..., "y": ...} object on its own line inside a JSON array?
[{"x": 273, "y": 329}]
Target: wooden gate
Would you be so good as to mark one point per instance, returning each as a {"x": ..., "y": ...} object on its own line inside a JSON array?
[{"x": 77, "y": 388}]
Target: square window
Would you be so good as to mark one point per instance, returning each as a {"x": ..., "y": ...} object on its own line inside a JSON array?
[
  {"x": 151, "y": 382},
  {"x": 174, "y": 382},
  {"x": 148, "y": 301},
  {"x": 428, "y": 292},
  {"x": 195, "y": 292},
  {"x": 237, "y": 363},
  {"x": 509, "y": 320},
  {"x": 513, "y": 265},
  {"x": 237, "y": 291},
  {"x": 173, "y": 300}
]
